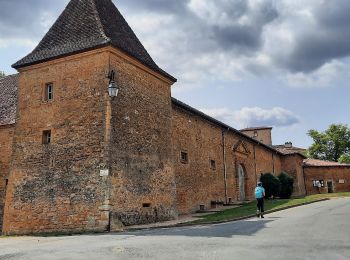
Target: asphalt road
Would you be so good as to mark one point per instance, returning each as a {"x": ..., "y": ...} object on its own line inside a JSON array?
[{"x": 316, "y": 231}]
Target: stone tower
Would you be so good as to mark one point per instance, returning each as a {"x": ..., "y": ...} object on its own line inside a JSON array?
[
  {"x": 83, "y": 160},
  {"x": 262, "y": 134}
]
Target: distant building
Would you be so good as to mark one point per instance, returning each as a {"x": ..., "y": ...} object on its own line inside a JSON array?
[
  {"x": 261, "y": 134},
  {"x": 332, "y": 176},
  {"x": 289, "y": 148}
]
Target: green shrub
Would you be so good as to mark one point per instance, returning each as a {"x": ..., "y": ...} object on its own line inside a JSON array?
[
  {"x": 271, "y": 184},
  {"x": 287, "y": 182}
]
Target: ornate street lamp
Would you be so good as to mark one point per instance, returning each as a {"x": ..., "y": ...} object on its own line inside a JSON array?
[{"x": 112, "y": 87}]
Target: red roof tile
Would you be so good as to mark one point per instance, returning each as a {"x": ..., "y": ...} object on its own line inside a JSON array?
[
  {"x": 320, "y": 163},
  {"x": 290, "y": 150}
]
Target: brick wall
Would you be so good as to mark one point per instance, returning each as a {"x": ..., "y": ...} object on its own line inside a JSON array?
[
  {"x": 333, "y": 174},
  {"x": 57, "y": 187},
  {"x": 263, "y": 135},
  {"x": 267, "y": 161},
  {"x": 6, "y": 135},
  {"x": 60, "y": 186},
  {"x": 142, "y": 176},
  {"x": 293, "y": 165},
  {"x": 196, "y": 183}
]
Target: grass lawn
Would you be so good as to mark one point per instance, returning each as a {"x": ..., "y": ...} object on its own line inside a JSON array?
[{"x": 270, "y": 205}]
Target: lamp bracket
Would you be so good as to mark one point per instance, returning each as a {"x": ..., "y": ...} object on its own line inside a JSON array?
[{"x": 111, "y": 76}]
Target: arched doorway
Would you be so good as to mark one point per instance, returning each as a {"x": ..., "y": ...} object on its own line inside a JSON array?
[{"x": 241, "y": 183}]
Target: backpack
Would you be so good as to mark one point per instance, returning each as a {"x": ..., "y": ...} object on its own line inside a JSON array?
[{"x": 259, "y": 192}]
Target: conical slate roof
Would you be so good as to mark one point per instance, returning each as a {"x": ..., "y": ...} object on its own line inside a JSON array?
[{"x": 86, "y": 25}]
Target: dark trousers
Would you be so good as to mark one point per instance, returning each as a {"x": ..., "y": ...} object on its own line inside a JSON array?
[{"x": 260, "y": 204}]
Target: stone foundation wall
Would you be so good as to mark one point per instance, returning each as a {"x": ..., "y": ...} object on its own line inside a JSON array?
[
  {"x": 339, "y": 176},
  {"x": 57, "y": 187}
]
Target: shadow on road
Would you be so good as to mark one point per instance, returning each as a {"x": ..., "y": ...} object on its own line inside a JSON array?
[{"x": 228, "y": 230}]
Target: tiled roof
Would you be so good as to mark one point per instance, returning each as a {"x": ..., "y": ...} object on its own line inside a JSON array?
[
  {"x": 289, "y": 150},
  {"x": 8, "y": 99},
  {"x": 224, "y": 126},
  {"x": 320, "y": 163},
  {"x": 86, "y": 25},
  {"x": 257, "y": 128}
]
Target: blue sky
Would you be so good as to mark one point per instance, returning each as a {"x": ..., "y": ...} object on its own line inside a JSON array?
[{"x": 246, "y": 62}]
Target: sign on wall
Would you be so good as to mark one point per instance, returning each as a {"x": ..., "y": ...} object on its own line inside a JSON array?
[
  {"x": 104, "y": 173},
  {"x": 341, "y": 181},
  {"x": 318, "y": 183}
]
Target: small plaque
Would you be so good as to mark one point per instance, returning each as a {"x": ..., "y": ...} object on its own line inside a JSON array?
[
  {"x": 104, "y": 173},
  {"x": 341, "y": 181}
]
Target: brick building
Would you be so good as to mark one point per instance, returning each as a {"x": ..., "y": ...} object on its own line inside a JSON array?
[
  {"x": 262, "y": 134},
  {"x": 326, "y": 177},
  {"x": 76, "y": 157}
]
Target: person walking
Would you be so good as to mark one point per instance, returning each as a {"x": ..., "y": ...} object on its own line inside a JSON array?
[{"x": 259, "y": 195}]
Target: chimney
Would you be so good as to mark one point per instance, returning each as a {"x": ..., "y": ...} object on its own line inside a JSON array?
[{"x": 288, "y": 145}]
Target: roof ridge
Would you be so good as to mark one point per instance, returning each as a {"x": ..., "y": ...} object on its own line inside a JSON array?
[
  {"x": 99, "y": 23},
  {"x": 256, "y": 128},
  {"x": 224, "y": 125}
]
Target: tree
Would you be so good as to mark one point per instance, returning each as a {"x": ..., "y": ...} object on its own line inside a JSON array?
[
  {"x": 2, "y": 74},
  {"x": 345, "y": 158},
  {"x": 271, "y": 184},
  {"x": 287, "y": 182},
  {"x": 331, "y": 144}
]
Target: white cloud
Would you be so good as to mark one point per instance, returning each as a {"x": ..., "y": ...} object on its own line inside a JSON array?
[
  {"x": 218, "y": 40},
  {"x": 148, "y": 23},
  {"x": 212, "y": 11},
  {"x": 254, "y": 116},
  {"x": 325, "y": 76},
  {"x": 22, "y": 42}
]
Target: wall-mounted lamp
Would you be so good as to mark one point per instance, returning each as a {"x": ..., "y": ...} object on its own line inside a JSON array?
[{"x": 112, "y": 87}]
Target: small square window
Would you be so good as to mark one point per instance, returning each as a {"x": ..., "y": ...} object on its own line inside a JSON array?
[
  {"x": 47, "y": 137},
  {"x": 212, "y": 164},
  {"x": 49, "y": 92},
  {"x": 146, "y": 205},
  {"x": 184, "y": 157}
]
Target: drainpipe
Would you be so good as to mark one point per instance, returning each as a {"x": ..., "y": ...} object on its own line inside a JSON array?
[
  {"x": 304, "y": 180},
  {"x": 106, "y": 182},
  {"x": 106, "y": 173},
  {"x": 256, "y": 176},
  {"x": 224, "y": 159}
]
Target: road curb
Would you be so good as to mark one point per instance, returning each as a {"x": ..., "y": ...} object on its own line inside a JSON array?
[{"x": 189, "y": 224}]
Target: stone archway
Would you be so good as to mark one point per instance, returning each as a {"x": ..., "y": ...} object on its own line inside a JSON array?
[{"x": 241, "y": 183}]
